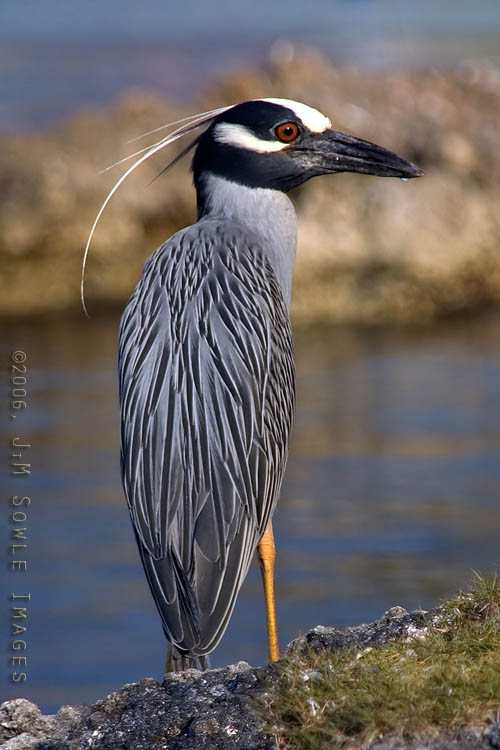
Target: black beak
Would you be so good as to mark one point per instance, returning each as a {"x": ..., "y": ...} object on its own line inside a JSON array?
[{"x": 339, "y": 152}]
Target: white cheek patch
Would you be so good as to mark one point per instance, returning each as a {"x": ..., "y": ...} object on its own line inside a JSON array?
[
  {"x": 239, "y": 136},
  {"x": 314, "y": 120}
]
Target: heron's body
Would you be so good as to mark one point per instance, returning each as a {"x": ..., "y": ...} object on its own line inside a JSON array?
[
  {"x": 207, "y": 370},
  {"x": 207, "y": 333}
]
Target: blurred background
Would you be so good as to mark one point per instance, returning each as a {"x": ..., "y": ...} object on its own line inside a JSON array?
[{"x": 392, "y": 488}]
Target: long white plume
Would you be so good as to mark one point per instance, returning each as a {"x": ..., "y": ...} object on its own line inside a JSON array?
[{"x": 190, "y": 124}]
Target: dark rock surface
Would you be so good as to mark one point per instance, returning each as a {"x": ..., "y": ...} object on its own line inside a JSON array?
[
  {"x": 215, "y": 709},
  {"x": 220, "y": 709},
  {"x": 394, "y": 623}
]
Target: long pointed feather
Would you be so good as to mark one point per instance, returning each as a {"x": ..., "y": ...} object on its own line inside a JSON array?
[
  {"x": 190, "y": 118},
  {"x": 196, "y": 121},
  {"x": 175, "y": 122},
  {"x": 176, "y": 159}
]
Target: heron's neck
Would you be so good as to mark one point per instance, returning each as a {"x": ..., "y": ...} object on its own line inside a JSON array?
[{"x": 269, "y": 214}]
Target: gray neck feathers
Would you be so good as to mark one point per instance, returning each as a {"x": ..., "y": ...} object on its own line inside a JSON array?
[{"x": 268, "y": 214}]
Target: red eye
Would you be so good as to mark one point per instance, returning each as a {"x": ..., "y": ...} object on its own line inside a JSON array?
[{"x": 287, "y": 131}]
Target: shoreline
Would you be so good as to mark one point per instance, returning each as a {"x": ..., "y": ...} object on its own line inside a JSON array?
[
  {"x": 408, "y": 680},
  {"x": 370, "y": 251}
]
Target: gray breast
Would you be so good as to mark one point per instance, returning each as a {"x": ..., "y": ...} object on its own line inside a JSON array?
[
  {"x": 207, "y": 397},
  {"x": 265, "y": 216}
]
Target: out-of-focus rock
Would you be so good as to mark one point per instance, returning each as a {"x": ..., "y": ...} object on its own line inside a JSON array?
[
  {"x": 22, "y": 726},
  {"x": 370, "y": 250}
]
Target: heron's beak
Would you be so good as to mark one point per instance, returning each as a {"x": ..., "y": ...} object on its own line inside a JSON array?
[{"x": 340, "y": 152}]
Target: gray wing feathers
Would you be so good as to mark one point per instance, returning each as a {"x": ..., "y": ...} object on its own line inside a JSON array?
[{"x": 207, "y": 397}]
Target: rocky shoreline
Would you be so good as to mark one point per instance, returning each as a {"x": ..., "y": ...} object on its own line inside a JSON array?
[
  {"x": 221, "y": 709},
  {"x": 370, "y": 250}
]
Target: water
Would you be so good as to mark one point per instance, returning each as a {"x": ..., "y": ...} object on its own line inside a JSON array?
[
  {"x": 391, "y": 496},
  {"x": 58, "y": 56}
]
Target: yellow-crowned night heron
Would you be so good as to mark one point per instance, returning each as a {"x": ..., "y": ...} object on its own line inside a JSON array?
[{"x": 206, "y": 364}]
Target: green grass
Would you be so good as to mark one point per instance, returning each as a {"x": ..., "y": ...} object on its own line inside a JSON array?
[{"x": 444, "y": 679}]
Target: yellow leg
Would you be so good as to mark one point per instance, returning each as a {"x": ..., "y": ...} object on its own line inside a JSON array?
[{"x": 266, "y": 559}]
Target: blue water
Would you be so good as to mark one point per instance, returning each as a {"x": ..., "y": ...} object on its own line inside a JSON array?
[
  {"x": 119, "y": 19},
  {"x": 57, "y": 56},
  {"x": 391, "y": 497}
]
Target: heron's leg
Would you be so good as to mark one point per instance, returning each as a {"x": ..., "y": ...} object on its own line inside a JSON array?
[{"x": 266, "y": 559}]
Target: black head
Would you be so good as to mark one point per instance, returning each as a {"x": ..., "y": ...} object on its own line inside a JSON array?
[{"x": 279, "y": 144}]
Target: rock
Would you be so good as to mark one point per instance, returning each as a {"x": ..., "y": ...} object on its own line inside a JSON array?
[
  {"x": 22, "y": 725},
  {"x": 493, "y": 734},
  {"x": 394, "y": 623},
  {"x": 470, "y": 740},
  {"x": 220, "y": 709},
  {"x": 370, "y": 250},
  {"x": 15, "y": 717},
  {"x": 206, "y": 710}
]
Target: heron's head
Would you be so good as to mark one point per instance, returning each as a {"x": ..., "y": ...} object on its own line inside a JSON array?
[
  {"x": 279, "y": 144},
  {"x": 265, "y": 143}
]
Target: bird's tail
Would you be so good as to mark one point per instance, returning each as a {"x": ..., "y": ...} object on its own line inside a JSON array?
[{"x": 178, "y": 661}]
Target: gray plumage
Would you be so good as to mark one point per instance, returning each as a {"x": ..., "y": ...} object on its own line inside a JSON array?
[{"x": 207, "y": 395}]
